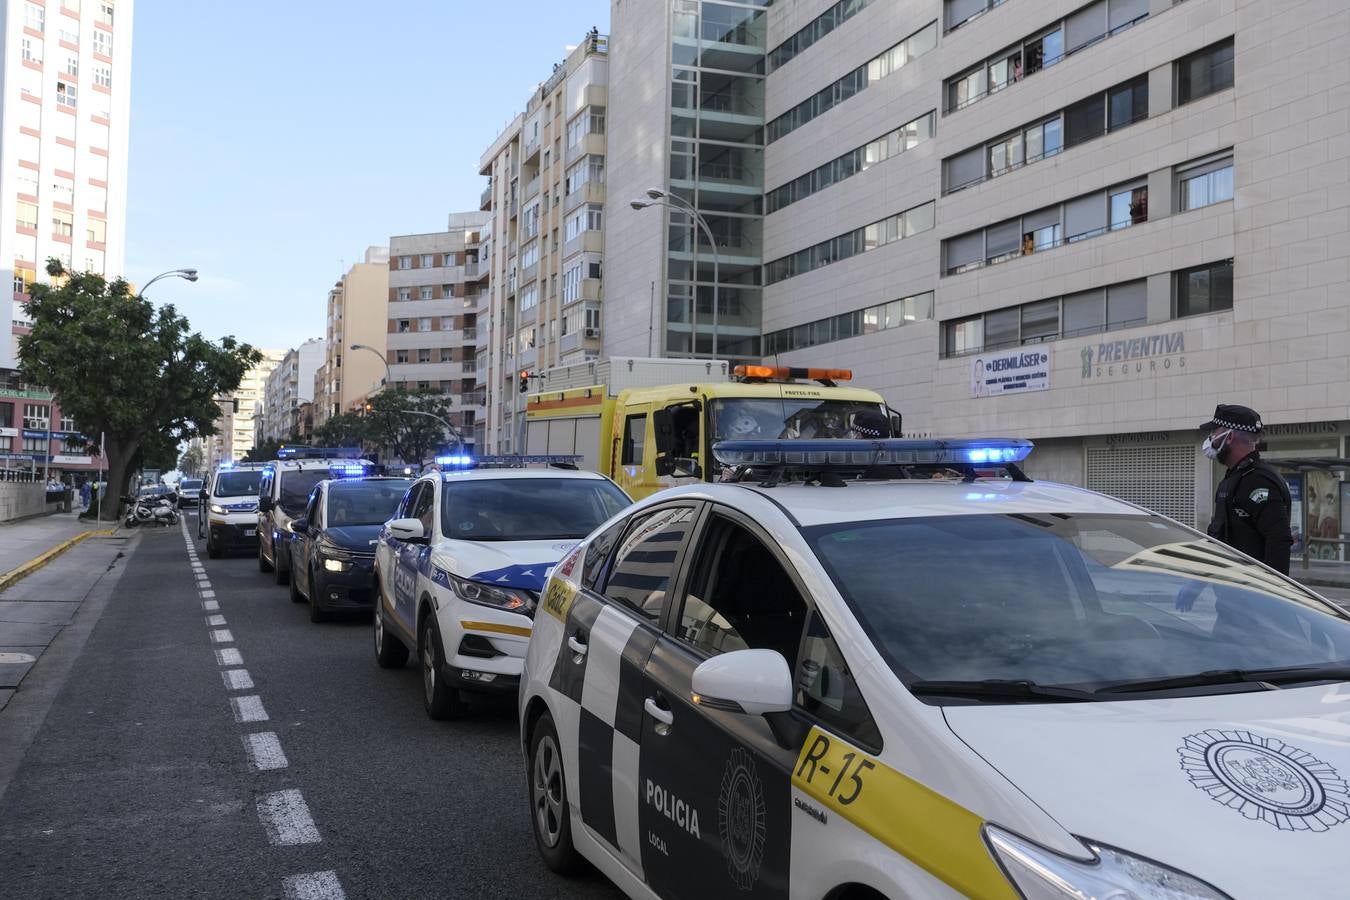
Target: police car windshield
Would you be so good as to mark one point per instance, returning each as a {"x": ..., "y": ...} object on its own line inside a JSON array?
[
  {"x": 1071, "y": 601},
  {"x": 527, "y": 509},
  {"x": 296, "y": 485},
  {"x": 243, "y": 483},
  {"x": 767, "y": 418},
  {"x": 364, "y": 502}
]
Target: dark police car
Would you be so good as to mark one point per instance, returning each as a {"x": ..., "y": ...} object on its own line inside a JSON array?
[{"x": 332, "y": 552}]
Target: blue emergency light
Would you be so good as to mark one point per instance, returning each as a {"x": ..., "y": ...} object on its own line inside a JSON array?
[
  {"x": 461, "y": 461},
  {"x": 455, "y": 460},
  {"x": 889, "y": 452},
  {"x": 348, "y": 470},
  {"x": 227, "y": 465},
  {"x": 319, "y": 453}
]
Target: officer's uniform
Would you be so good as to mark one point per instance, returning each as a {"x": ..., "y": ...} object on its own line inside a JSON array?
[{"x": 1252, "y": 503}]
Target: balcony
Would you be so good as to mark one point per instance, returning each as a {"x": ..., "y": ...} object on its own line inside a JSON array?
[
  {"x": 531, "y": 190},
  {"x": 590, "y": 192},
  {"x": 590, "y": 144},
  {"x": 485, "y": 201},
  {"x": 470, "y": 334},
  {"x": 531, "y": 150},
  {"x": 528, "y": 273},
  {"x": 587, "y": 240},
  {"x": 514, "y": 209}
]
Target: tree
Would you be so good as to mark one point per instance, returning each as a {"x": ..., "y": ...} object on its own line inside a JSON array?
[
  {"x": 190, "y": 463},
  {"x": 267, "y": 450},
  {"x": 410, "y": 437},
  {"x": 125, "y": 369},
  {"x": 342, "y": 430}
]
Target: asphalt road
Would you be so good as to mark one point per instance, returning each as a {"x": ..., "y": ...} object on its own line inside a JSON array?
[{"x": 142, "y": 781}]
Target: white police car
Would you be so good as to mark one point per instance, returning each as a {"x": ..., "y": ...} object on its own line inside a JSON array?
[
  {"x": 824, "y": 685},
  {"x": 459, "y": 568},
  {"x": 231, "y": 508}
]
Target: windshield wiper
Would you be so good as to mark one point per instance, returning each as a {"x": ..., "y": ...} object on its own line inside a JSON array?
[
  {"x": 1273, "y": 676},
  {"x": 999, "y": 689}
]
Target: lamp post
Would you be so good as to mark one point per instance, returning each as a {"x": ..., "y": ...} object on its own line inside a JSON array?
[
  {"x": 388, "y": 378},
  {"x": 185, "y": 274},
  {"x": 664, "y": 198}
]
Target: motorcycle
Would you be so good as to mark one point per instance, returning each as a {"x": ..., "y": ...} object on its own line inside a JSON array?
[{"x": 145, "y": 511}]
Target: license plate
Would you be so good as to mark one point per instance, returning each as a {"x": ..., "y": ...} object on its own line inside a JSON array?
[{"x": 250, "y": 532}]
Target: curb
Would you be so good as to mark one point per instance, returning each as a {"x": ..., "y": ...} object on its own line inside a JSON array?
[{"x": 37, "y": 562}]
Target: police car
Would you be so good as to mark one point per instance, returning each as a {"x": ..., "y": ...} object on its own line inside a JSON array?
[
  {"x": 902, "y": 669},
  {"x": 283, "y": 492},
  {"x": 459, "y": 568},
  {"x": 232, "y": 508}
]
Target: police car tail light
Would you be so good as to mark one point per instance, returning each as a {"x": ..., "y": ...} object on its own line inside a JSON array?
[
  {"x": 509, "y": 599},
  {"x": 891, "y": 451},
  {"x": 1042, "y": 874}
]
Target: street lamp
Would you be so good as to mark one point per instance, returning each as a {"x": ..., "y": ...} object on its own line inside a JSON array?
[
  {"x": 454, "y": 432},
  {"x": 664, "y": 198},
  {"x": 185, "y": 274},
  {"x": 388, "y": 378}
]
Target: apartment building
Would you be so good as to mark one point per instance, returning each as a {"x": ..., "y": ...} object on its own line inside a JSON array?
[
  {"x": 241, "y": 412},
  {"x": 1081, "y": 222},
  {"x": 543, "y": 247},
  {"x": 432, "y": 327},
  {"x": 65, "y": 96},
  {"x": 289, "y": 387},
  {"x": 355, "y": 314}
]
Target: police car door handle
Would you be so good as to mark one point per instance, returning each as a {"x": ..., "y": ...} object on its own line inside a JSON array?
[
  {"x": 577, "y": 644},
  {"x": 659, "y": 713}
]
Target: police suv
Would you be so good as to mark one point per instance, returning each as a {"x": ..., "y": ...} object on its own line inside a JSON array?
[
  {"x": 283, "y": 492},
  {"x": 903, "y": 669},
  {"x": 232, "y": 508},
  {"x": 459, "y": 568}
]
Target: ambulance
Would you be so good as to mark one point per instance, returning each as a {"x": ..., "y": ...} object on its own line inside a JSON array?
[{"x": 649, "y": 423}]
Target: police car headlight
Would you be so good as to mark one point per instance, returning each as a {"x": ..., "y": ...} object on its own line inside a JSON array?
[
  {"x": 508, "y": 599},
  {"x": 1041, "y": 874},
  {"x": 217, "y": 509}
]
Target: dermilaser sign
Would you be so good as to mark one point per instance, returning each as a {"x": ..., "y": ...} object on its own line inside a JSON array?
[{"x": 1014, "y": 372}]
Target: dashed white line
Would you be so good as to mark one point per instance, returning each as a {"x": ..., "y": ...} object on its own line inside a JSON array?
[
  {"x": 237, "y": 680},
  {"x": 248, "y": 709},
  {"x": 215, "y": 620},
  {"x": 210, "y": 605},
  {"x": 264, "y": 751},
  {"x": 313, "y": 886},
  {"x": 287, "y": 819},
  {"x": 229, "y": 657},
  {"x": 208, "y": 594},
  {"x": 222, "y": 636}
]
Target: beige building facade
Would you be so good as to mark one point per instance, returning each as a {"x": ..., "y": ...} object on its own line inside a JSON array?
[
  {"x": 356, "y": 313},
  {"x": 237, "y": 429},
  {"x": 543, "y": 246},
  {"x": 1081, "y": 222}
]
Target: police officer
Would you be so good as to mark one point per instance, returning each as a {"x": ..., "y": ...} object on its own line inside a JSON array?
[{"x": 1251, "y": 505}]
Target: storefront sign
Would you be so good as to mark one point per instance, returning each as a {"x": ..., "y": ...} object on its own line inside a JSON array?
[
  {"x": 1139, "y": 437},
  {"x": 1015, "y": 372},
  {"x": 9, "y": 432},
  {"x": 1297, "y": 429},
  {"x": 1136, "y": 356},
  {"x": 27, "y": 457},
  {"x": 63, "y": 459}
]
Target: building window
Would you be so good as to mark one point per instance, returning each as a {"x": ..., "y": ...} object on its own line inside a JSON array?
[
  {"x": 590, "y": 121},
  {"x": 404, "y": 326},
  {"x": 405, "y": 293},
  {"x": 103, "y": 76},
  {"x": 25, "y": 215},
  {"x": 1205, "y": 72},
  {"x": 447, "y": 323},
  {"x": 31, "y": 50},
  {"x": 65, "y": 94},
  {"x": 958, "y": 12},
  {"x": 73, "y": 66},
  {"x": 105, "y": 13},
  {"x": 68, "y": 37},
  {"x": 36, "y": 415},
  {"x": 1127, "y": 103},
  {"x": 838, "y": 327},
  {"x": 587, "y": 218},
  {"x": 816, "y": 29},
  {"x": 1204, "y": 289},
  {"x": 1088, "y": 312},
  {"x": 400, "y": 356},
  {"x": 424, "y": 293},
  {"x": 103, "y": 42},
  {"x": 529, "y": 298},
  {"x": 447, "y": 355},
  {"x": 860, "y": 240},
  {"x": 1205, "y": 183},
  {"x": 424, "y": 324},
  {"x": 96, "y": 230},
  {"x": 424, "y": 355},
  {"x": 1128, "y": 206},
  {"x": 572, "y": 283},
  {"x": 428, "y": 260},
  {"x": 34, "y": 17},
  {"x": 63, "y": 223},
  {"x": 405, "y": 262},
  {"x": 67, "y": 423}
]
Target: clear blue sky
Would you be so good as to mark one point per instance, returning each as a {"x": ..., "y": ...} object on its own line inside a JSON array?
[{"x": 272, "y": 142}]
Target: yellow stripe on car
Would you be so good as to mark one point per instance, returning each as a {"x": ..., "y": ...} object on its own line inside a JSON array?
[
  {"x": 937, "y": 834},
  {"x": 495, "y": 628}
]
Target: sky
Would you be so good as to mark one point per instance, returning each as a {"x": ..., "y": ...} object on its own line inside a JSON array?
[{"x": 273, "y": 142}]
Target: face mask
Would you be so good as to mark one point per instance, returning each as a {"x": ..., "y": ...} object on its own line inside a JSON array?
[{"x": 1212, "y": 449}]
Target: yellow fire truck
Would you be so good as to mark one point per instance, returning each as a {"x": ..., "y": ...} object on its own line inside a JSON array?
[{"x": 650, "y": 423}]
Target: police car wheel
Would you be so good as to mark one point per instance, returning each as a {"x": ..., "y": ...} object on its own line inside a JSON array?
[
  {"x": 549, "y": 819},
  {"x": 441, "y": 700},
  {"x": 390, "y": 652}
]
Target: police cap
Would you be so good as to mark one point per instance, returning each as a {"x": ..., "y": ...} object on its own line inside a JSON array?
[{"x": 1238, "y": 418}]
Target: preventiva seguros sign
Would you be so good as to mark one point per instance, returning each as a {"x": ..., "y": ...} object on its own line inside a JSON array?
[{"x": 1014, "y": 372}]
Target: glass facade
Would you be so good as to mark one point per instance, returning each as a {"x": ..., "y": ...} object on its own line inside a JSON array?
[{"x": 717, "y": 166}]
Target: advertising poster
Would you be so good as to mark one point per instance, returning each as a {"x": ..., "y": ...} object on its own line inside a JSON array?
[
  {"x": 1295, "y": 483},
  {"x": 1322, "y": 501},
  {"x": 1015, "y": 372}
]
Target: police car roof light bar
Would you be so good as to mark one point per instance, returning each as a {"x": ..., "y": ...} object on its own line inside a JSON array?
[
  {"x": 511, "y": 462},
  {"x": 966, "y": 454},
  {"x": 458, "y": 460},
  {"x": 348, "y": 470},
  {"x": 319, "y": 453}
]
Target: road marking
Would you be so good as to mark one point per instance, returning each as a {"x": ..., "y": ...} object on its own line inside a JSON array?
[
  {"x": 264, "y": 751},
  {"x": 287, "y": 819},
  {"x": 248, "y": 709},
  {"x": 222, "y": 636},
  {"x": 15, "y": 658},
  {"x": 203, "y": 583},
  {"x": 313, "y": 886},
  {"x": 208, "y": 594},
  {"x": 229, "y": 657},
  {"x": 210, "y": 605},
  {"x": 215, "y": 620},
  {"x": 237, "y": 680}
]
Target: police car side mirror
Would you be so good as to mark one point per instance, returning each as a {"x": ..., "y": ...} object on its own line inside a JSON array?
[
  {"x": 300, "y": 525},
  {"x": 264, "y": 504},
  {"x": 406, "y": 529},
  {"x": 753, "y": 682}
]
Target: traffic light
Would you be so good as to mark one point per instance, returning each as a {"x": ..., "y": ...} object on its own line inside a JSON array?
[
  {"x": 524, "y": 381},
  {"x": 236, "y": 404}
]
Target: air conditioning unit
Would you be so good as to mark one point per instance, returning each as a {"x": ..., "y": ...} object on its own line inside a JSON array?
[{"x": 592, "y": 332}]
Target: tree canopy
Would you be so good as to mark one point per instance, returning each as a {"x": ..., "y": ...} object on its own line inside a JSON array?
[{"x": 123, "y": 368}]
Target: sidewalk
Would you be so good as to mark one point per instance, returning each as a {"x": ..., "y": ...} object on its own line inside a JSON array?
[
  {"x": 37, "y": 602},
  {"x": 1325, "y": 574}
]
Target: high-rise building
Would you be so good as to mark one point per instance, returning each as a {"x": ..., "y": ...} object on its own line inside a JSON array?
[
  {"x": 65, "y": 98},
  {"x": 238, "y": 428},
  {"x": 289, "y": 387},
  {"x": 1080, "y": 222},
  {"x": 543, "y": 245},
  {"x": 356, "y": 314},
  {"x": 434, "y": 294}
]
